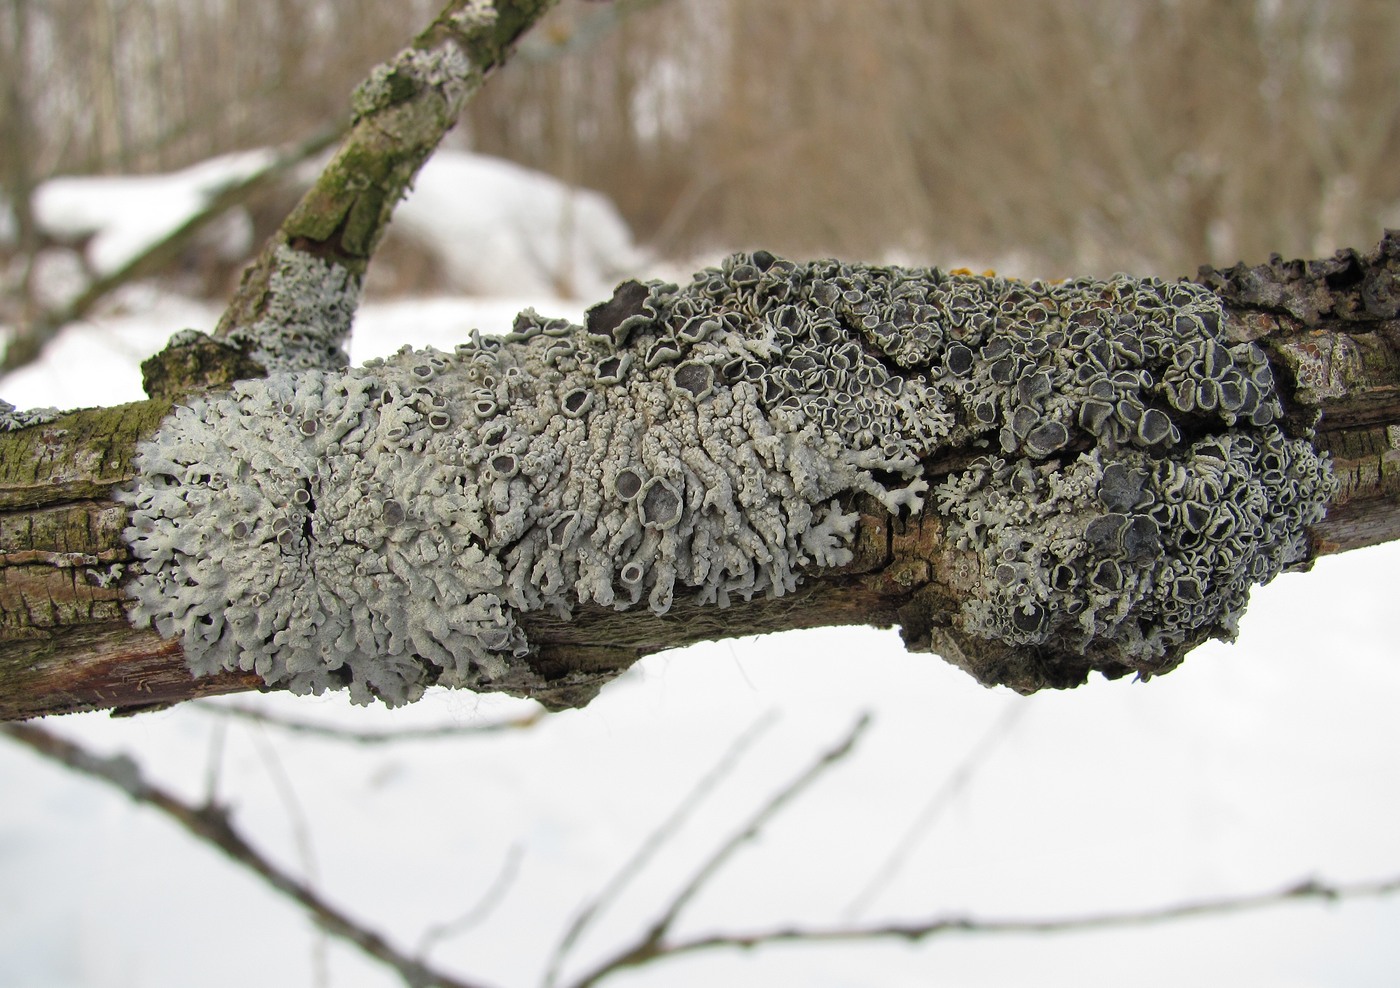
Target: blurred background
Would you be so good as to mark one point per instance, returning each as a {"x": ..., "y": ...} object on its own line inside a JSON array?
[
  {"x": 648, "y": 137},
  {"x": 1075, "y": 137}
]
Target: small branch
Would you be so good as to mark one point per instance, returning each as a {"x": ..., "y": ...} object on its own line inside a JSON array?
[
  {"x": 294, "y": 308},
  {"x": 333, "y": 733},
  {"x": 657, "y": 839},
  {"x": 484, "y": 906},
  {"x": 25, "y": 348},
  {"x": 651, "y": 945},
  {"x": 1308, "y": 889},
  {"x": 211, "y": 824},
  {"x": 941, "y": 799}
]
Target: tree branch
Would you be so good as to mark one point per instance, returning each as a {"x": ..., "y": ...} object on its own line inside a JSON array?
[
  {"x": 1328, "y": 330},
  {"x": 920, "y": 930},
  {"x": 1332, "y": 329}
]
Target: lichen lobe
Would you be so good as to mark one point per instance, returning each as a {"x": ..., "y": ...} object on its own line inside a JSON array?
[{"x": 309, "y": 305}]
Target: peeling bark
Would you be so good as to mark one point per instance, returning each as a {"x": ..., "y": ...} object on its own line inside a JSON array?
[{"x": 1332, "y": 327}]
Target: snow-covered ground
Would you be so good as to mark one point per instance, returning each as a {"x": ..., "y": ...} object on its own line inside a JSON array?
[
  {"x": 1253, "y": 766},
  {"x": 501, "y": 229},
  {"x": 495, "y": 228},
  {"x": 119, "y": 217}
]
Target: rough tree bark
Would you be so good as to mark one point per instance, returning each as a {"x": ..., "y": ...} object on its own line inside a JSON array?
[{"x": 1329, "y": 330}]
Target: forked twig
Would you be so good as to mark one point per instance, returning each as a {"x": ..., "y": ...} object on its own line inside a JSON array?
[
  {"x": 942, "y": 798},
  {"x": 651, "y": 945},
  {"x": 482, "y": 908},
  {"x": 653, "y": 843}
]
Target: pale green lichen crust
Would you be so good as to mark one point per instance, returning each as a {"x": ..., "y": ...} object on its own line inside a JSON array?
[
  {"x": 380, "y": 529},
  {"x": 445, "y": 68},
  {"x": 308, "y": 319}
]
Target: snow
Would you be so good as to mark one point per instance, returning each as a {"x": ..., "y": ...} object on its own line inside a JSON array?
[
  {"x": 502, "y": 229},
  {"x": 102, "y": 356},
  {"x": 124, "y": 215},
  {"x": 498, "y": 228},
  {"x": 1249, "y": 768},
  {"x": 1253, "y": 766}
]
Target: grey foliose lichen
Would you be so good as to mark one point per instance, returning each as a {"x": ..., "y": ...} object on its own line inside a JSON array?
[
  {"x": 308, "y": 320},
  {"x": 1140, "y": 483},
  {"x": 445, "y": 68},
  {"x": 12, "y": 419},
  {"x": 474, "y": 16},
  {"x": 381, "y": 529}
]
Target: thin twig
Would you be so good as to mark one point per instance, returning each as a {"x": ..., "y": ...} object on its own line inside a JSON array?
[
  {"x": 331, "y": 732},
  {"x": 214, "y": 764},
  {"x": 756, "y": 824},
  {"x": 1308, "y": 889},
  {"x": 482, "y": 908},
  {"x": 23, "y": 350},
  {"x": 651, "y": 945},
  {"x": 301, "y": 836},
  {"x": 941, "y": 799},
  {"x": 212, "y": 825},
  {"x": 653, "y": 844}
]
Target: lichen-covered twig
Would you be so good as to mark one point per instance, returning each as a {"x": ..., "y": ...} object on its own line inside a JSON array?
[
  {"x": 294, "y": 308},
  {"x": 1110, "y": 474},
  {"x": 212, "y": 825}
]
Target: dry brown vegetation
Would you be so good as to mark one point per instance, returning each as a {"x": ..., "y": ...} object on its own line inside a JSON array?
[{"x": 1083, "y": 137}]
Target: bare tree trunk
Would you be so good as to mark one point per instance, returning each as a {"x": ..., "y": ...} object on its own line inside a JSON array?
[{"x": 1329, "y": 329}]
